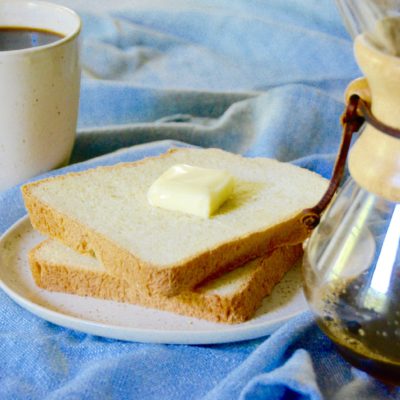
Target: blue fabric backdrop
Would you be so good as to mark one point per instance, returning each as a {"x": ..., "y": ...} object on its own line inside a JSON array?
[{"x": 260, "y": 78}]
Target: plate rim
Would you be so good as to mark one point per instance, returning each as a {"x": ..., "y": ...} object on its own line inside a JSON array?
[{"x": 238, "y": 333}]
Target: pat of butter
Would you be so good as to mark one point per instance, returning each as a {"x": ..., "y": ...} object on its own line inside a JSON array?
[{"x": 191, "y": 190}]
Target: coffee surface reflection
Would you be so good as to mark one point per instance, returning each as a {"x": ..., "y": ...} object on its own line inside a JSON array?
[{"x": 18, "y": 38}]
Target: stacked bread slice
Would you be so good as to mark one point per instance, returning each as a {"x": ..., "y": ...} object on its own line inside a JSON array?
[{"x": 109, "y": 242}]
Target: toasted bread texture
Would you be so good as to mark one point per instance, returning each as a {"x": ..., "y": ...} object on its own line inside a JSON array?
[
  {"x": 104, "y": 212},
  {"x": 231, "y": 298}
]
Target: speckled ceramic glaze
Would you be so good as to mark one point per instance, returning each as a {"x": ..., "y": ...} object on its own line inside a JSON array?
[
  {"x": 39, "y": 93},
  {"x": 127, "y": 321}
]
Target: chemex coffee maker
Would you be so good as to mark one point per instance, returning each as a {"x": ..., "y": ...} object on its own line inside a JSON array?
[{"x": 352, "y": 259}]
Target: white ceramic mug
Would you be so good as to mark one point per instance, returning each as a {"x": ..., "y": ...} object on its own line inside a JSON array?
[{"x": 39, "y": 92}]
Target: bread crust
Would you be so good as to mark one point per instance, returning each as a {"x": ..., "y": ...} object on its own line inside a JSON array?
[
  {"x": 150, "y": 278},
  {"x": 167, "y": 281},
  {"x": 234, "y": 308}
]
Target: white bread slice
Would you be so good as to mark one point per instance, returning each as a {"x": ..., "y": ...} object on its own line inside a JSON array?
[
  {"x": 105, "y": 212},
  {"x": 234, "y": 297}
]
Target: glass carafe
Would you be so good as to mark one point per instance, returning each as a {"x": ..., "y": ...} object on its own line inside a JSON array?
[
  {"x": 352, "y": 279},
  {"x": 352, "y": 259}
]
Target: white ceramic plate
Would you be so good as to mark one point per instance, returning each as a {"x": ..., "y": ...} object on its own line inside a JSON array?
[{"x": 128, "y": 322}]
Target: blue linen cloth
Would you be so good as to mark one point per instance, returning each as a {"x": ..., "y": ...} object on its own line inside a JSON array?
[{"x": 253, "y": 77}]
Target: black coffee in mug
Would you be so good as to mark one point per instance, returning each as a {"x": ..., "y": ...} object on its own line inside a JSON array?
[{"x": 18, "y": 38}]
